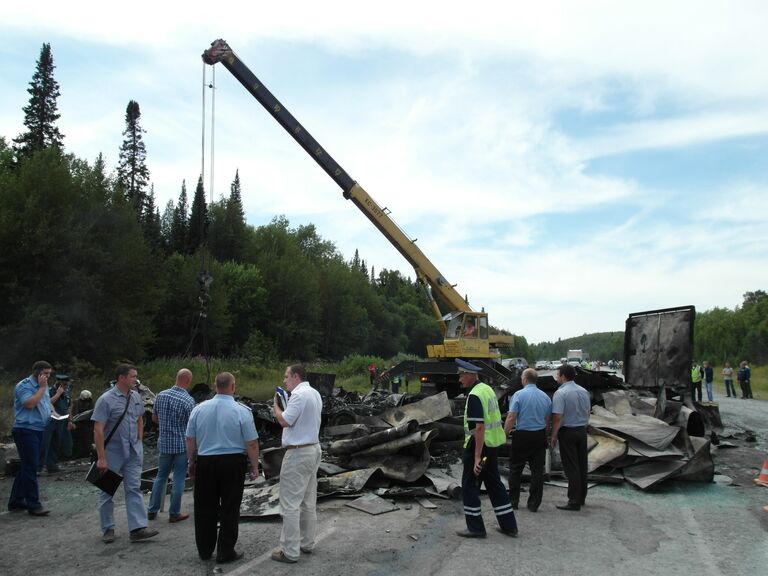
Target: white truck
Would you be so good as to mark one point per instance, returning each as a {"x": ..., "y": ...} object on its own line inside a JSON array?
[{"x": 575, "y": 357}]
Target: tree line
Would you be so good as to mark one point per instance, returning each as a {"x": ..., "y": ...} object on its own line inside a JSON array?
[{"x": 93, "y": 272}]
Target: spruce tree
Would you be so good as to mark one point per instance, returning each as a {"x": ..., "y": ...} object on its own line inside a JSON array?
[
  {"x": 180, "y": 223},
  {"x": 236, "y": 232},
  {"x": 198, "y": 219},
  {"x": 150, "y": 222},
  {"x": 166, "y": 225},
  {"x": 132, "y": 171},
  {"x": 40, "y": 114}
]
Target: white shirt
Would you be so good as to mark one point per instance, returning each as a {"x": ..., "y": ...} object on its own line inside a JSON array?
[{"x": 303, "y": 416}]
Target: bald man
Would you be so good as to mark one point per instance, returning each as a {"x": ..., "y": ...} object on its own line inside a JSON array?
[{"x": 171, "y": 412}]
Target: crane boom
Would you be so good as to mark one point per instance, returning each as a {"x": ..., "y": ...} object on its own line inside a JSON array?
[{"x": 426, "y": 272}]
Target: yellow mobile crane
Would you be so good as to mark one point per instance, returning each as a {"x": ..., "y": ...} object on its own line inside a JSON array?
[{"x": 465, "y": 332}]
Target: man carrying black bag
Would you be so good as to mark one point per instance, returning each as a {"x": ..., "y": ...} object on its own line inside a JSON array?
[{"x": 121, "y": 409}]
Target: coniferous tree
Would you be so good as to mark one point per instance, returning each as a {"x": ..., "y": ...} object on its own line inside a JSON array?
[
  {"x": 132, "y": 171},
  {"x": 150, "y": 222},
  {"x": 180, "y": 223},
  {"x": 41, "y": 113},
  {"x": 236, "y": 228},
  {"x": 198, "y": 219},
  {"x": 166, "y": 225}
]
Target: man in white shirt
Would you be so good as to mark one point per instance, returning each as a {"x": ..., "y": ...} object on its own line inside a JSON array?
[{"x": 298, "y": 475}]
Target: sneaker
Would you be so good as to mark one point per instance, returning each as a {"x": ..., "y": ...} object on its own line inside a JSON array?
[
  {"x": 38, "y": 511},
  {"x": 109, "y": 536},
  {"x": 279, "y": 556},
  {"x": 142, "y": 534}
]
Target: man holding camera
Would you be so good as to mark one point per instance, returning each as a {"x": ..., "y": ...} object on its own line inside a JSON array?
[{"x": 57, "y": 441}]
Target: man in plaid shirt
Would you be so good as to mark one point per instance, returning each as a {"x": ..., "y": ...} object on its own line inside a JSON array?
[{"x": 171, "y": 412}]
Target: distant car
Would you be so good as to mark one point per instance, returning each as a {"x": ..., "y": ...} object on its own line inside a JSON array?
[{"x": 542, "y": 364}]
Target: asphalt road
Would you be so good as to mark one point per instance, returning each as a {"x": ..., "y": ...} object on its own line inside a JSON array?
[{"x": 685, "y": 529}]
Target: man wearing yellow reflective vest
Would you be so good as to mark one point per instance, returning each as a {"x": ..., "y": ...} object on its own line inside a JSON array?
[{"x": 483, "y": 435}]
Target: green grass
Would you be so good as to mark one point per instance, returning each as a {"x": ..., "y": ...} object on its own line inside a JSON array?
[{"x": 759, "y": 381}]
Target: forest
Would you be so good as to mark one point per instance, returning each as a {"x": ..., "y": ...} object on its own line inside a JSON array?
[{"x": 93, "y": 272}]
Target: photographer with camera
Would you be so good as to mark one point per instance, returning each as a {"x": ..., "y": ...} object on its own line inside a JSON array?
[{"x": 57, "y": 440}]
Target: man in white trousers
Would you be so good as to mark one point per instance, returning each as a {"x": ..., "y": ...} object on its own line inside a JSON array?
[{"x": 298, "y": 476}]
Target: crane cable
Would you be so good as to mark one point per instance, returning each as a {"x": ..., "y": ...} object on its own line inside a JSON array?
[{"x": 204, "y": 278}]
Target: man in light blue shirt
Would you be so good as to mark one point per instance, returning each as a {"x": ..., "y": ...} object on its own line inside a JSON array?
[
  {"x": 528, "y": 419},
  {"x": 570, "y": 416},
  {"x": 219, "y": 434},
  {"x": 32, "y": 408}
]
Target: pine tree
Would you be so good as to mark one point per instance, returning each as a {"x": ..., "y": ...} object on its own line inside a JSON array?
[
  {"x": 40, "y": 114},
  {"x": 132, "y": 171},
  {"x": 180, "y": 223},
  {"x": 198, "y": 219}
]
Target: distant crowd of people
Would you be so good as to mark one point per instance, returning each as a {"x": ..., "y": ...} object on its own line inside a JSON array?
[{"x": 705, "y": 373}]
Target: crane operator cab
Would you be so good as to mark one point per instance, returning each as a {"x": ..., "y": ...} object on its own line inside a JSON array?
[{"x": 466, "y": 334}]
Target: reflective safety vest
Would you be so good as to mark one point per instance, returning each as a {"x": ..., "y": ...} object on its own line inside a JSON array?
[
  {"x": 494, "y": 431},
  {"x": 696, "y": 374}
]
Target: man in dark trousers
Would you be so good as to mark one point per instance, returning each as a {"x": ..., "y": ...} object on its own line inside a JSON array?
[
  {"x": 219, "y": 435},
  {"x": 528, "y": 417},
  {"x": 570, "y": 416},
  {"x": 483, "y": 435}
]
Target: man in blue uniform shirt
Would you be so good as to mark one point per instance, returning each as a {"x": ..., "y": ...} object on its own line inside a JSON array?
[
  {"x": 32, "y": 408},
  {"x": 219, "y": 434},
  {"x": 57, "y": 441},
  {"x": 121, "y": 409},
  {"x": 570, "y": 416},
  {"x": 528, "y": 418}
]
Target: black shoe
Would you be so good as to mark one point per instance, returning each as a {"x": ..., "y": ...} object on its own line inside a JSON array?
[
  {"x": 510, "y": 533},
  {"x": 20, "y": 508},
  {"x": 142, "y": 534},
  {"x": 569, "y": 506},
  {"x": 470, "y": 534},
  {"x": 39, "y": 512},
  {"x": 151, "y": 515},
  {"x": 532, "y": 509},
  {"x": 233, "y": 557}
]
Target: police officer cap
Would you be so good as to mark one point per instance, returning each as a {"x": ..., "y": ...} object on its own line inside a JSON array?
[
  {"x": 464, "y": 366},
  {"x": 62, "y": 377}
]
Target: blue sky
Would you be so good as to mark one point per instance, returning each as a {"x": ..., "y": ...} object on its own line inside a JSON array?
[{"x": 565, "y": 164}]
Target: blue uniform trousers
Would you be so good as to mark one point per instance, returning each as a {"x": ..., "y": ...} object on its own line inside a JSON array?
[
  {"x": 470, "y": 491},
  {"x": 25, "y": 492},
  {"x": 130, "y": 469}
]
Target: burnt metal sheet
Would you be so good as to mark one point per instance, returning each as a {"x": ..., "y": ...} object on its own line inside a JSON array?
[
  {"x": 349, "y": 482},
  {"x": 372, "y": 504},
  {"x": 353, "y": 445},
  {"x": 617, "y": 402},
  {"x": 658, "y": 347},
  {"x": 407, "y": 465},
  {"x": 649, "y": 474},
  {"x": 608, "y": 447},
  {"x": 642, "y": 450},
  {"x": 430, "y": 409},
  {"x": 651, "y": 431},
  {"x": 391, "y": 447},
  {"x": 700, "y": 468},
  {"x": 347, "y": 430},
  {"x": 444, "y": 483},
  {"x": 261, "y": 501}
]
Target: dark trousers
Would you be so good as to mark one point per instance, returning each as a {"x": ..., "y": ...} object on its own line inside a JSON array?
[
  {"x": 218, "y": 493},
  {"x": 573, "y": 453},
  {"x": 730, "y": 390},
  {"x": 696, "y": 391},
  {"x": 531, "y": 447},
  {"x": 25, "y": 492},
  {"x": 470, "y": 491},
  {"x": 746, "y": 388}
]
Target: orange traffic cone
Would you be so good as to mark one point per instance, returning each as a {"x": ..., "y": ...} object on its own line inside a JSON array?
[{"x": 763, "y": 478}]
